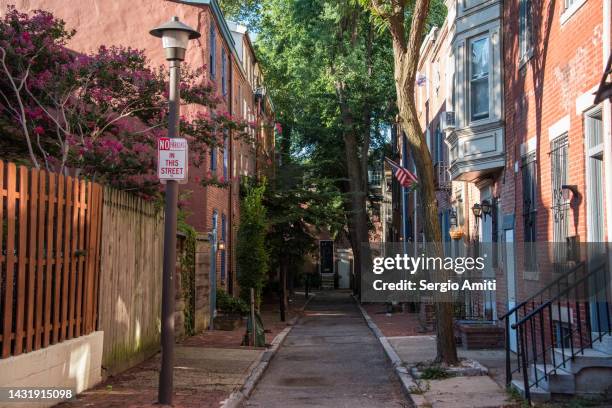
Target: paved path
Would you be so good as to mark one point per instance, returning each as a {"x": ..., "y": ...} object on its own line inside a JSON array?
[{"x": 330, "y": 359}]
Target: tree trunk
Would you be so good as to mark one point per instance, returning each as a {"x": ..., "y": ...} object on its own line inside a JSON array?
[
  {"x": 445, "y": 339},
  {"x": 358, "y": 225},
  {"x": 406, "y": 48}
]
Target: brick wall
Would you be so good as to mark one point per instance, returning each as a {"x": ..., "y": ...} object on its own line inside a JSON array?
[{"x": 540, "y": 97}]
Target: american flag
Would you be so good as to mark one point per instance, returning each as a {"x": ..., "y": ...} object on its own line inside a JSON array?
[{"x": 405, "y": 178}]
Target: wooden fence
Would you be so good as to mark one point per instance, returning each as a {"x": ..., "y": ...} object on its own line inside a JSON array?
[
  {"x": 49, "y": 268},
  {"x": 130, "y": 280}
]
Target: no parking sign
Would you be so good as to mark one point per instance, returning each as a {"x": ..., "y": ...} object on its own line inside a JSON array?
[{"x": 172, "y": 159}]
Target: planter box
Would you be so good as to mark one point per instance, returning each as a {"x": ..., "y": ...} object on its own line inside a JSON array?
[
  {"x": 476, "y": 336},
  {"x": 227, "y": 322}
]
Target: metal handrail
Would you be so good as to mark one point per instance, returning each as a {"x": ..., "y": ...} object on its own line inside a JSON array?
[
  {"x": 541, "y": 291},
  {"x": 532, "y": 330}
]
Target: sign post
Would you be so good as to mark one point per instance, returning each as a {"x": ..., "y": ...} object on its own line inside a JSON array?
[{"x": 172, "y": 170}]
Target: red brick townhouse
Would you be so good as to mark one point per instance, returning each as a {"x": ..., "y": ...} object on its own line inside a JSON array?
[
  {"x": 557, "y": 187},
  {"x": 226, "y": 51},
  {"x": 506, "y": 99}
]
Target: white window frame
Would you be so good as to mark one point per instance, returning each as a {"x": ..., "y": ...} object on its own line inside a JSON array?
[
  {"x": 526, "y": 36},
  {"x": 570, "y": 10},
  {"x": 487, "y": 37}
]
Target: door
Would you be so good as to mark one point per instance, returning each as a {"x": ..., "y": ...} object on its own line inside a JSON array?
[{"x": 511, "y": 282}]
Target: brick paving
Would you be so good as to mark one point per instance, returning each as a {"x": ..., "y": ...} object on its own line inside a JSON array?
[
  {"x": 208, "y": 368},
  {"x": 398, "y": 323}
]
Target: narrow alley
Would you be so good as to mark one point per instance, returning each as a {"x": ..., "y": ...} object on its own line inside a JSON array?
[{"x": 330, "y": 359}]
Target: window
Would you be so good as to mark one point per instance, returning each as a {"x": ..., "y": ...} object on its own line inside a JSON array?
[
  {"x": 529, "y": 210},
  {"x": 223, "y": 72},
  {"x": 225, "y": 154},
  {"x": 213, "y": 51},
  {"x": 594, "y": 166},
  {"x": 569, "y": 3},
  {"x": 213, "y": 158},
  {"x": 223, "y": 238},
  {"x": 525, "y": 29},
  {"x": 479, "y": 78},
  {"x": 559, "y": 167}
]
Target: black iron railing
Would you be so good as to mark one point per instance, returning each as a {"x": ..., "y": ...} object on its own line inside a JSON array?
[{"x": 558, "y": 323}]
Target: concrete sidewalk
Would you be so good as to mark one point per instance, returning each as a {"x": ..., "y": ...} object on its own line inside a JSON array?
[
  {"x": 211, "y": 369},
  {"x": 457, "y": 392},
  {"x": 330, "y": 359}
]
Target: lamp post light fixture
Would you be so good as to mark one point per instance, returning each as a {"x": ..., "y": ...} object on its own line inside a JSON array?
[
  {"x": 175, "y": 36},
  {"x": 486, "y": 207},
  {"x": 477, "y": 210},
  {"x": 453, "y": 218}
]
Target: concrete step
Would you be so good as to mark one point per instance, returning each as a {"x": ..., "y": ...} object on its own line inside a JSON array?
[
  {"x": 538, "y": 394},
  {"x": 327, "y": 282},
  {"x": 604, "y": 344},
  {"x": 557, "y": 381},
  {"x": 587, "y": 359}
]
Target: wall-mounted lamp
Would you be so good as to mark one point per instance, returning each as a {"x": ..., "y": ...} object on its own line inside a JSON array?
[
  {"x": 453, "y": 217},
  {"x": 477, "y": 210},
  {"x": 565, "y": 191},
  {"x": 486, "y": 207},
  {"x": 221, "y": 245}
]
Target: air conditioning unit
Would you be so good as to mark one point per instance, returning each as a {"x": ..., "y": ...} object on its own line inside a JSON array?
[{"x": 448, "y": 120}]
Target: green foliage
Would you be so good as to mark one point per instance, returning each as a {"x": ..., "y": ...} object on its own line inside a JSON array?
[
  {"x": 187, "y": 261},
  {"x": 251, "y": 254},
  {"x": 308, "y": 47},
  {"x": 231, "y": 305},
  {"x": 434, "y": 372},
  {"x": 299, "y": 206}
]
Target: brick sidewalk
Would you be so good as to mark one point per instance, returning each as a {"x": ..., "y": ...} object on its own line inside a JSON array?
[
  {"x": 398, "y": 323},
  {"x": 208, "y": 368}
]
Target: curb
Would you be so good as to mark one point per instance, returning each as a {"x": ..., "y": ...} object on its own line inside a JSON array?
[
  {"x": 408, "y": 383},
  {"x": 258, "y": 367}
]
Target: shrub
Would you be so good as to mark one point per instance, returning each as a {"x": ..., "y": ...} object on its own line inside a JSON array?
[
  {"x": 252, "y": 256},
  {"x": 231, "y": 305}
]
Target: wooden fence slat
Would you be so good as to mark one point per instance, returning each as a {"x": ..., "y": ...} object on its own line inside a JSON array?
[
  {"x": 50, "y": 269},
  {"x": 40, "y": 275},
  {"x": 51, "y": 198},
  {"x": 32, "y": 252},
  {"x": 91, "y": 256},
  {"x": 66, "y": 257},
  {"x": 21, "y": 260},
  {"x": 97, "y": 262},
  {"x": 10, "y": 258},
  {"x": 60, "y": 260},
  {"x": 81, "y": 258},
  {"x": 73, "y": 256}
]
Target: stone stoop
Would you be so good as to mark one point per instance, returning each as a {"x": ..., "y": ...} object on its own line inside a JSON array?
[
  {"x": 327, "y": 281},
  {"x": 587, "y": 374},
  {"x": 538, "y": 394}
]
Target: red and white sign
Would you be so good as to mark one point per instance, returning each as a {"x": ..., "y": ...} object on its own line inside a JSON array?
[{"x": 172, "y": 163}]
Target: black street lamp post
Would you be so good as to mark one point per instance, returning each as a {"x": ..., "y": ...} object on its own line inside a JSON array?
[{"x": 175, "y": 36}]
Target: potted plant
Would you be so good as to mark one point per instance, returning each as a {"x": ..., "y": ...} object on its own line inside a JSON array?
[
  {"x": 230, "y": 310},
  {"x": 456, "y": 233}
]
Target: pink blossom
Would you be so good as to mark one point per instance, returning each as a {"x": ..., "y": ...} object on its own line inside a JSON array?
[{"x": 39, "y": 130}]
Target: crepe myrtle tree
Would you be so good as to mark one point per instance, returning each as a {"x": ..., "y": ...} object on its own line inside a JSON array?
[
  {"x": 406, "y": 21},
  {"x": 97, "y": 114}
]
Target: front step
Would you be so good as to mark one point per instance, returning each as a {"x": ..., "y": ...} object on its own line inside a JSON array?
[
  {"x": 538, "y": 394},
  {"x": 558, "y": 382},
  {"x": 587, "y": 359},
  {"x": 604, "y": 344},
  {"x": 327, "y": 282}
]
